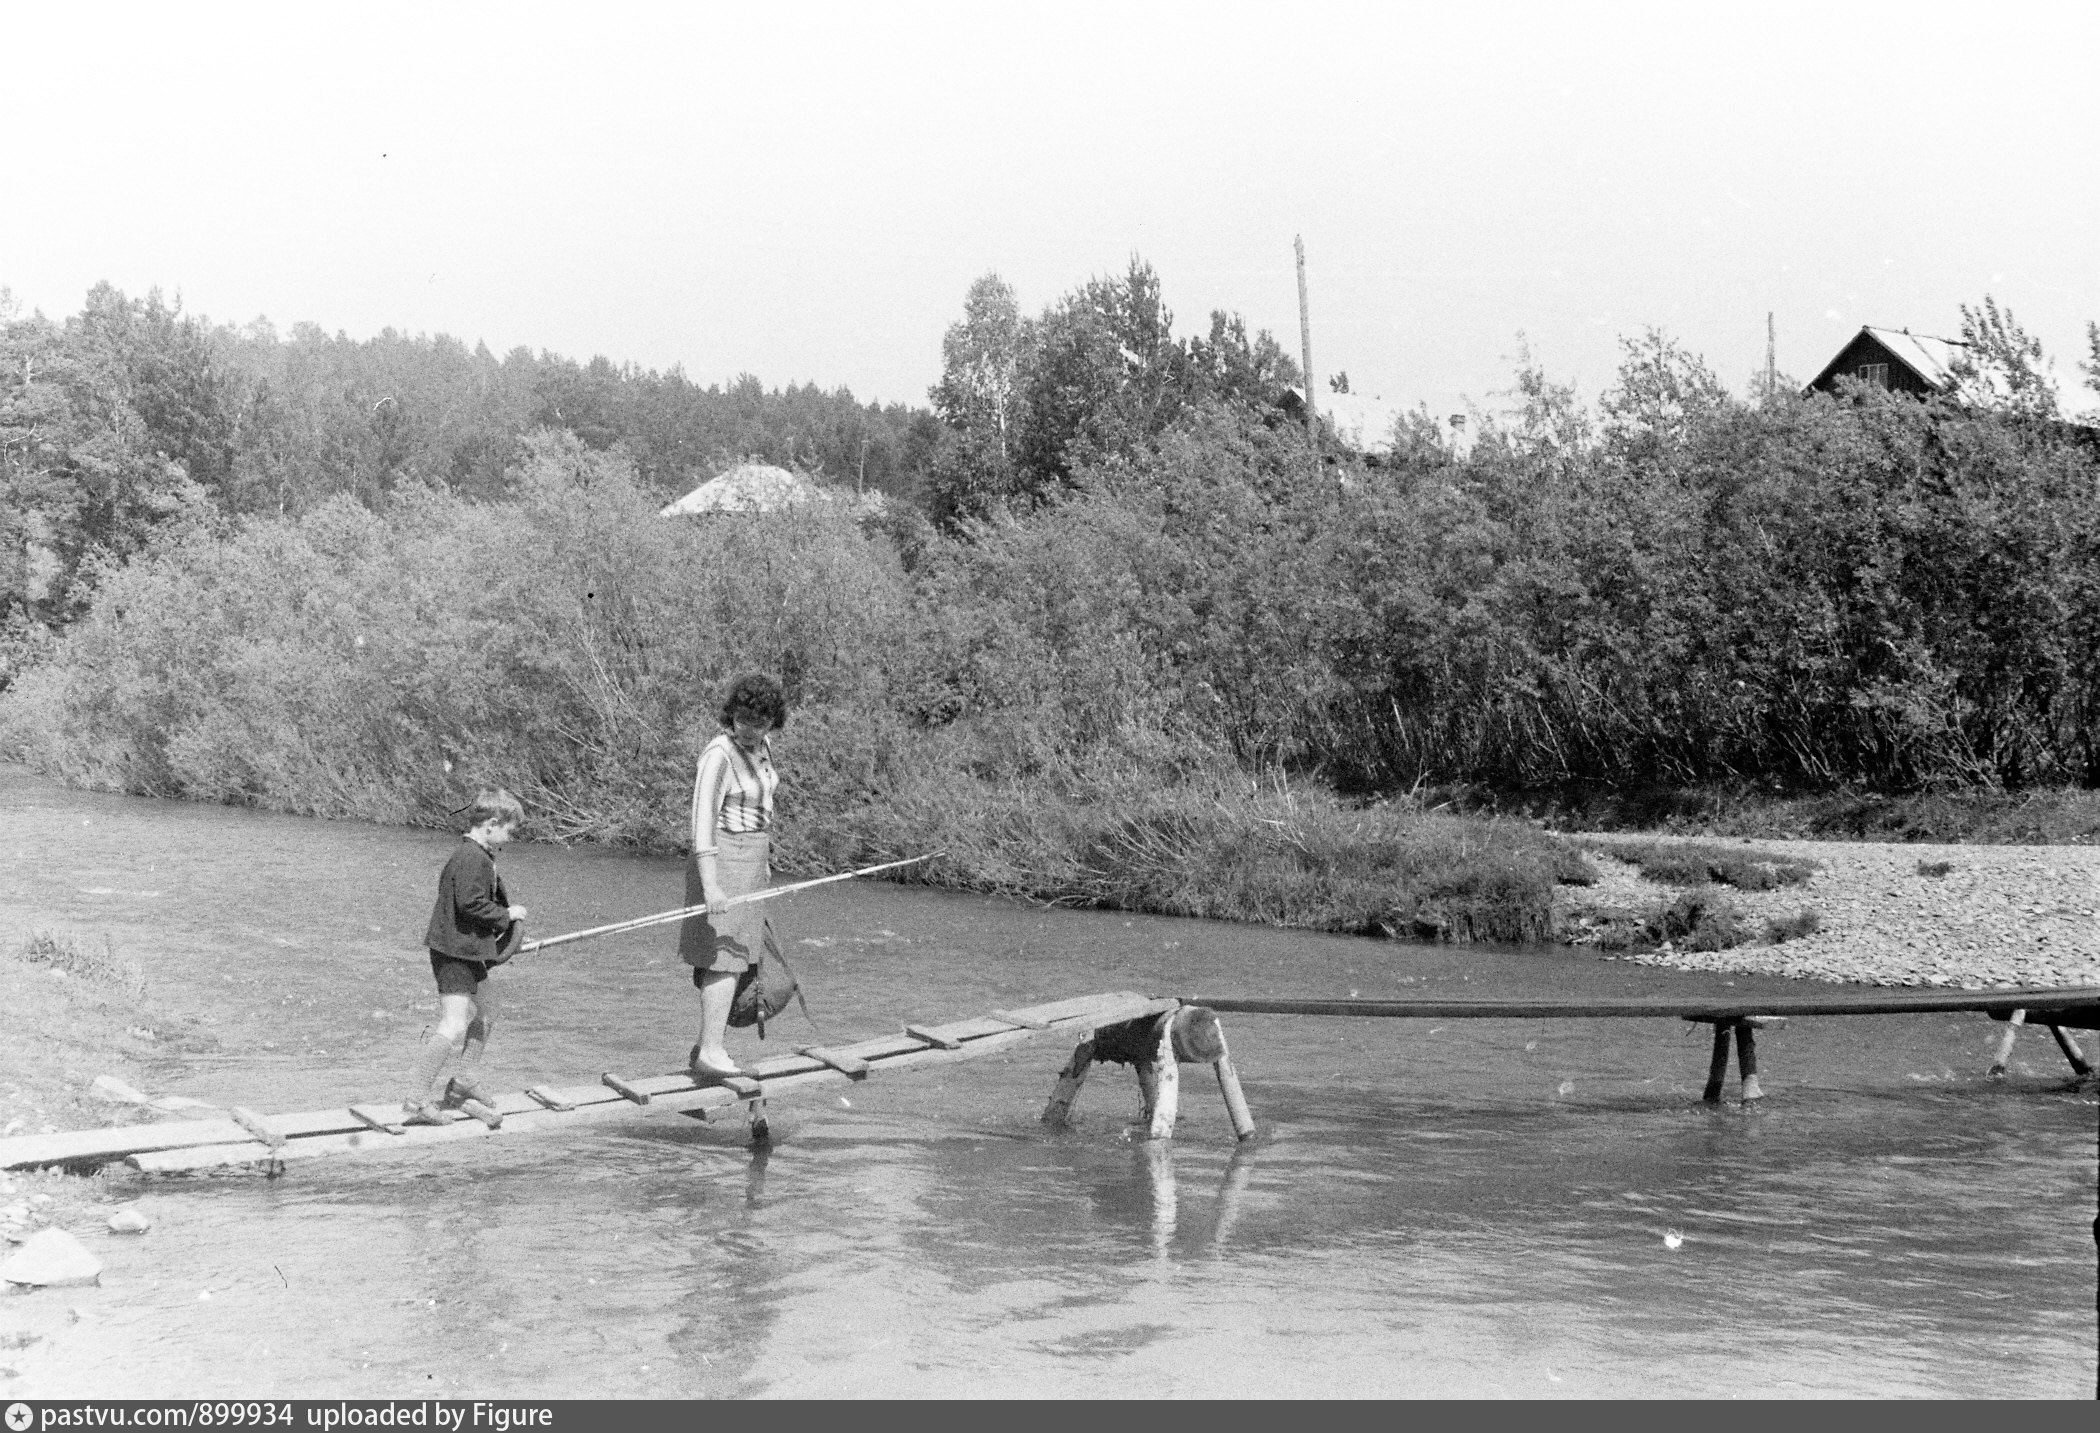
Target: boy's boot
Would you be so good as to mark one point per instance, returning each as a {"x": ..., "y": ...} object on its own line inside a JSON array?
[{"x": 419, "y": 1108}]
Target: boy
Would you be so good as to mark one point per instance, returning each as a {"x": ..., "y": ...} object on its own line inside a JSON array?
[{"x": 473, "y": 927}]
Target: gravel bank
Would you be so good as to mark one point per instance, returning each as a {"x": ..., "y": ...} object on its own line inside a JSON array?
[{"x": 2002, "y": 915}]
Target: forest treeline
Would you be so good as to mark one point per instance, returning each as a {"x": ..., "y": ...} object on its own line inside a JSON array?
[
  {"x": 115, "y": 416},
  {"x": 1137, "y": 638}
]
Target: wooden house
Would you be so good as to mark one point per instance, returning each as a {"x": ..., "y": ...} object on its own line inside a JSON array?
[{"x": 1893, "y": 358}]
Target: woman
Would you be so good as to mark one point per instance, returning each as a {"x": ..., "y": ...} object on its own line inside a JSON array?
[{"x": 732, "y": 814}]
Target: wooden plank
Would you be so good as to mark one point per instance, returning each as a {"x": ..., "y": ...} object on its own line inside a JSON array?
[
  {"x": 845, "y": 1064},
  {"x": 256, "y": 1125},
  {"x": 377, "y": 1117},
  {"x": 626, "y": 1091},
  {"x": 932, "y": 1037},
  {"x": 1914, "y": 1002},
  {"x": 488, "y": 1114},
  {"x": 544, "y": 1096},
  {"x": 26, "y": 1151},
  {"x": 207, "y": 1156},
  {"x": 1021, "y": 1022}
]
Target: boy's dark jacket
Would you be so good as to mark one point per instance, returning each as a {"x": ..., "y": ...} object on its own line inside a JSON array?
[{"x": 472, "y": 914}]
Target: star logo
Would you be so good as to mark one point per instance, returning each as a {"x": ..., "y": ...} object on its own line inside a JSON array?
[{"x": 19, "y": 1417}]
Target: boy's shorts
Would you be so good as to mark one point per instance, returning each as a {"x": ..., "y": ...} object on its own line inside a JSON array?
[{"x": 456, "y": 976}]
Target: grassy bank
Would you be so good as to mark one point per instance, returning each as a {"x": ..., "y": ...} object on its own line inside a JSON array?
[{"x": 1275, "y": 856}]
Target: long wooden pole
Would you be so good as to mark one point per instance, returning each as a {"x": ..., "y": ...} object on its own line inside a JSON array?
[
  {"x": 1312, "y": 416},
  {"x": 1893, "y": 1003},
  {"x": 688, "y": 912}
]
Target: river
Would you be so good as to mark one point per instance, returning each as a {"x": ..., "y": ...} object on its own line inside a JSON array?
[{"x": 1479, "y": 1208}]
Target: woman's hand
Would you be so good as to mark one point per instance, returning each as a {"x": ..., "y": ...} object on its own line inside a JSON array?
[
  {"x": 517, "y": 913},
  {"x": 712, "y": 892}
]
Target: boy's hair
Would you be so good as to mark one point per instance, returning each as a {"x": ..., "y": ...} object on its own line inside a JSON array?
[
  {"x": 760, "y": 696},
  {"x": 498, "y": 806}
]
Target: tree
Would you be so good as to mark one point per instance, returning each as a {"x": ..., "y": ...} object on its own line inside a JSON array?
[
  {"x": 981, "y": 359},
  {"x": 2000, "y": 366}
]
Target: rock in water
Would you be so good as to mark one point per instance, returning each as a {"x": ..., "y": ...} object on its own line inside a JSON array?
[
  {"x": 51, "y": 1259},
  {"x": 129, "y": 1221}
]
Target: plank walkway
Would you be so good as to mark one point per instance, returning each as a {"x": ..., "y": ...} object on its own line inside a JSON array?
[{"x": 245, "y": 1137}]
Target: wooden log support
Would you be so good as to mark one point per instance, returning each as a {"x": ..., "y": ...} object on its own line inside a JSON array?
[
  {"x": 1022, "y": 1022},
  {"x": 1069, "y": 1080},
  {"x": 1163, "y": 1103},
  {"x": 1198, "y": 1040},
  {"x": 256, "y": 1125},
  {"x": 933, "y": 1037},
  {"x": 1717, "y": 1072},
  {"x": 2071, "y": 1051},
  {"x": 1746, "y": 1059},
  {"x": 851, "y": 1065},
  {"x": 620, "y": 1087},
  {"x": 741, "y": 1085},
  {"x": 1743, "y": 1029},
  {"x": 1229, "y": 1086},
  {"x": 2003, "y": 1059},
  {"x": 542, "y": 1095}
]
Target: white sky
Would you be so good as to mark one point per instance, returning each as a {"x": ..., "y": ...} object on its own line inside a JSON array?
[{"x": 807, "y": 195}]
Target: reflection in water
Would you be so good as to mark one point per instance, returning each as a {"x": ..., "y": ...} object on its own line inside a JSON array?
[
  {"x": 1479, "y": 1208},
  {"x": 1159, "y": 1164},
  {"x": 1156, "y": 1157}
]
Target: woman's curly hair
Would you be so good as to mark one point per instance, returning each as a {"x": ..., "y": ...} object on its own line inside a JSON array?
[{"x": 755, "y": 694}]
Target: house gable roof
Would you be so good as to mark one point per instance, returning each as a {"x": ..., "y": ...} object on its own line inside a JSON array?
[{"x": 1929, "y": 360}]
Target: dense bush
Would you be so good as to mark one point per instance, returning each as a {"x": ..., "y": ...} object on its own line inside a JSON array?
[{"x": 565, "y": 641}]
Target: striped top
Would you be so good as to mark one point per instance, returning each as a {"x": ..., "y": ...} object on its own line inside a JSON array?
[{"x": 732, "y": 792}]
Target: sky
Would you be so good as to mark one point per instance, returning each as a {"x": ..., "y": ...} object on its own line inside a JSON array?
[{"x": 805, "y": 193}]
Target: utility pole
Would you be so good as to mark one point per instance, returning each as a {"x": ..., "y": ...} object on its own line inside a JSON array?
[
  {"x": 1771, "y": 355},
  {"x": 1312, "y": 417}
]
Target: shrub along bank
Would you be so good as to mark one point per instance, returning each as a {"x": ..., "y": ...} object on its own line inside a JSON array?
[{"x": 1197, "y": 675}]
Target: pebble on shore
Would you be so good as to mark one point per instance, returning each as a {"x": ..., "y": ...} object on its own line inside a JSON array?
[{"x": 1999, "y": 916}]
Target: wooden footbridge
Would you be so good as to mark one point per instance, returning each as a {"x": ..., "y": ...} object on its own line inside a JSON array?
[{"x": 1153, "y": 1034}]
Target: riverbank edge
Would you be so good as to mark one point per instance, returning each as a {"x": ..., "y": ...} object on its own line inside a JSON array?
[{"x": 1301, "y": 857}]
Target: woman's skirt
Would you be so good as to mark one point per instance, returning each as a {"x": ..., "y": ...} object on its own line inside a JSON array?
[{"x": 728, "y": 940}]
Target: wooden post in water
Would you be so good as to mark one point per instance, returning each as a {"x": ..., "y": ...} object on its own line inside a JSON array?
[
  {"x": 1069, "y": 1079},
  {"x": 1156, "y": 1047},
  {"x": 2013, "y": 1022},
  {"x": 1163, "y": 1098},
  {"x": 1235, "y": 1100},
  {"x": 2072, "y": 1053},
  {"x": 1200, "y": 1040},
  {"x": 1717, "y": 1072},
  {"x": 1746, "y": 1059}
]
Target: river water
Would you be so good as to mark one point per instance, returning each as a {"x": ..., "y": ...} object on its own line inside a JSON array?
[{"x": 1480, "y": 1208}]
